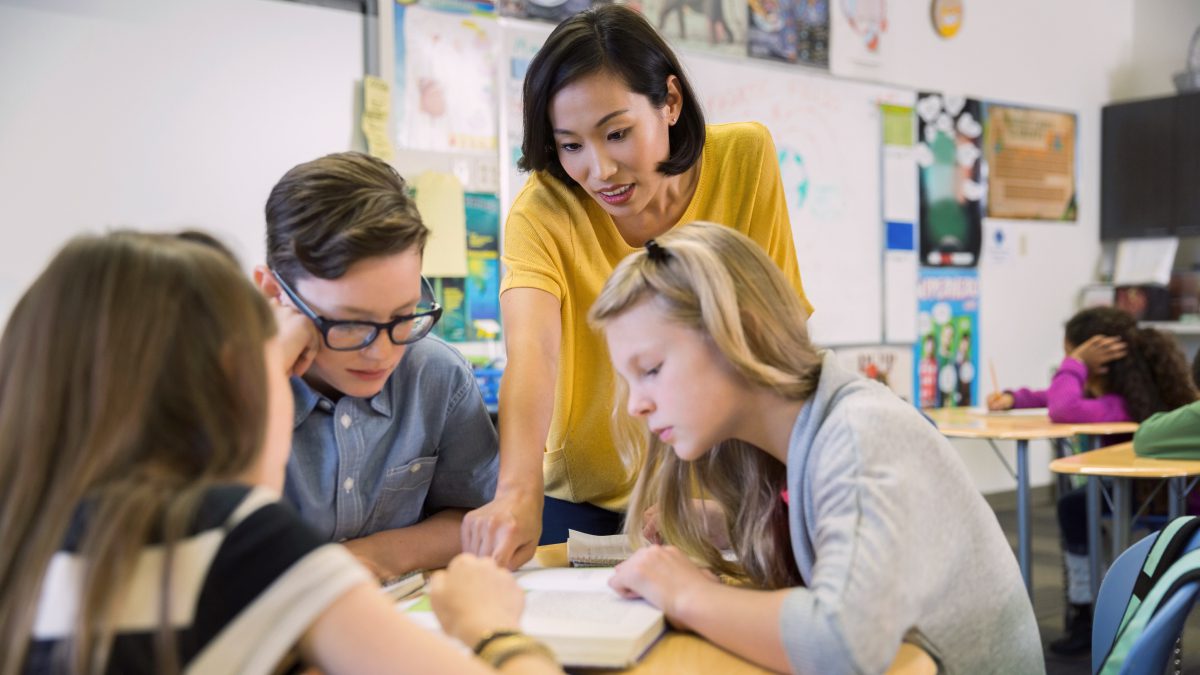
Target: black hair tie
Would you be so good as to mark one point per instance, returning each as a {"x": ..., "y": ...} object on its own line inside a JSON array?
[{"x": 656, "y": 252}]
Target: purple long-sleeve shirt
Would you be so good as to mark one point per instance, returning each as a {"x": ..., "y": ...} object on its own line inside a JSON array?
[{"x": 1066, "y": 401}]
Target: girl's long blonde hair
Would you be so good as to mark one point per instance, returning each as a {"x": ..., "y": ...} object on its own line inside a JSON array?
[
  {"x": 132, "y": 378},
  {"x": 720, "y": 283}
]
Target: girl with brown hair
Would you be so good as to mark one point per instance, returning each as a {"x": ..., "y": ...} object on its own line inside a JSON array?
[{"x": 145, "y": 421}]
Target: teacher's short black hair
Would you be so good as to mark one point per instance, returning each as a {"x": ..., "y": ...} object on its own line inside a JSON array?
[{"x": 617, "y": 40}]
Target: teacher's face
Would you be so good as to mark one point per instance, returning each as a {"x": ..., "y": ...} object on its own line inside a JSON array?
[{"x": 611, "y": 140}]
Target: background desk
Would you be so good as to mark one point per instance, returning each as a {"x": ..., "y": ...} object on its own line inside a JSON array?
[
  {"x": 678, "y": 652},
  {"x": 1022, "y": 428},
  {"x": 1121, "y": 464}
]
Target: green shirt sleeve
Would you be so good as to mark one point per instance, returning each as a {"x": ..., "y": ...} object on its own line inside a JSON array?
[{"x": 1170, "y": 435}]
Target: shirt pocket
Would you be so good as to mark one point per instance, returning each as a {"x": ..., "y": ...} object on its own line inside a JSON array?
[{"x": 402, "y": 495}]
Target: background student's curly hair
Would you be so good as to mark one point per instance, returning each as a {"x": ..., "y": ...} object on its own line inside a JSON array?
[{"x": 1152, "y": 377}]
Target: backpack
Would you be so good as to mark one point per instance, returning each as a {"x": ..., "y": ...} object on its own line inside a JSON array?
[{"x": 1172, "y": 561}]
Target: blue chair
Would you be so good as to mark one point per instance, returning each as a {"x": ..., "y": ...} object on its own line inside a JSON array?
[{"x": 1153, "y": 648}]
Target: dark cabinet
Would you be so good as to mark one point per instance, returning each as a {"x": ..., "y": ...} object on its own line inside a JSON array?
[{"x": 1150, "y": 168}]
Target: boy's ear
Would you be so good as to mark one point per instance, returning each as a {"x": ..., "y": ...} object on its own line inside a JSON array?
[{"x": 266, "y": 281}]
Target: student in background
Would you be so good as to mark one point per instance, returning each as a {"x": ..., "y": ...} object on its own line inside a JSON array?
[
  {"x": 392, "y": 441},
  {"x": 827, "y": 482},
  {"x": 619, "y": 153},
  {"x": 1113, "y": 371},
  {"x": 144, "y": 430}
]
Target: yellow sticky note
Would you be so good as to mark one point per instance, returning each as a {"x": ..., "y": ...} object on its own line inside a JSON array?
[
  {"x": 377, "y": 102},
  {"x": 440, "y": 201}
]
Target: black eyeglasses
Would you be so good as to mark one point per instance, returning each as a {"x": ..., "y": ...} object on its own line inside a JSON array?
[{"x": 349, "y": 336}]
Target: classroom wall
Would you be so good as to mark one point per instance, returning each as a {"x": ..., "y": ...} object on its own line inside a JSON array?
[
  {"x": 184, "y": 112},
  {"x": 1162, "y": 32},
  {"x": 161, "y": 114}
]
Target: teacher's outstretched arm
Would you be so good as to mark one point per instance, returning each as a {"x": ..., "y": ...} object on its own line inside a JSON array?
[{"x": 508, "y": 528}]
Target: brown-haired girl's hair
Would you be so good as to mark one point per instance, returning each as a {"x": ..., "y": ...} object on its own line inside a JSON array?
[
  {"x": 1153, "y": 376},
  {"x": 718, "y": 282},
  {"x": 606, "y": 39},
  {"x": 325, "y": 215},
  {"x": 132, "y": 374}
]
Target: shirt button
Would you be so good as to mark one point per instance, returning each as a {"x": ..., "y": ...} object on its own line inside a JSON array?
[
  {"x": 348, "y": 484},
  {"x": 415, "y": 468},
  {"x": 345, "y": 421},
  {"x": 325, "y": 405}
]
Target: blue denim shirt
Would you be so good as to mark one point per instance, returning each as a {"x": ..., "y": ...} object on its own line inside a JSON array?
[{"x": 422, "y": 444}]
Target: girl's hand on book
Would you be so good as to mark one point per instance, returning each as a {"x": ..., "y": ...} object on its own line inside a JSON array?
[
  {"x": 664, "y": 577},
  {"x": 474, "y": 597},
  {"x": 1098, "y": 351}
]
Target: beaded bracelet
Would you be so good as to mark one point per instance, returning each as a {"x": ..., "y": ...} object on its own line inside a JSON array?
[{"x": 499, "y": 649}]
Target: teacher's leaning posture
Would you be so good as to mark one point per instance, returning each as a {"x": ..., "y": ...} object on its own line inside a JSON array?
[{"x": 619, "y": 154}]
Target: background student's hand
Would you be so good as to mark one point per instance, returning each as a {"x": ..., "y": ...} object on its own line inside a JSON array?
[
  {"x": 664, "y": 576},
  {"x": 1098, "y": 351},
  {"x": 507, "y": 529},
  {"x": 473, "y": 597},
  {"x": 1000, "y": 400},
  {"x": 707, "y": 509}
]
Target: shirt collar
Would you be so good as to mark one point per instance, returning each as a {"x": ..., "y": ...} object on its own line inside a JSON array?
[{"x": 307, "y": 399}]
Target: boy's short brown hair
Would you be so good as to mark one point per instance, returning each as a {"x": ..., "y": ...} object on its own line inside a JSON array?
[{"x": 325, "y": 215}]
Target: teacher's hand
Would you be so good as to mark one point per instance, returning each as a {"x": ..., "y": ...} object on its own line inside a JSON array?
[{"x": 507, "y": 529}]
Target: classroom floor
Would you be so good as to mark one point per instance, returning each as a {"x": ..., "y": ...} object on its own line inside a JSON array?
[{"x": 1048, "y": 593}]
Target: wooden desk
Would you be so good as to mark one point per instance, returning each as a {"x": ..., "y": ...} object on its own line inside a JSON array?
[
  {"x": 1022, "y": 428},
  {"x": 677, "y": 652},
  {"x": 1121, "y": 464}
]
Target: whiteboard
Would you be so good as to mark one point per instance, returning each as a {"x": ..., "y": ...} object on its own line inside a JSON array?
[{"x": 828, "y": 135}]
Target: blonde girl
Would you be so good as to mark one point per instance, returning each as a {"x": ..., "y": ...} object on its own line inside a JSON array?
[
  {"x": 145, "y": 420},
  {"x": 855, "y": 524}
]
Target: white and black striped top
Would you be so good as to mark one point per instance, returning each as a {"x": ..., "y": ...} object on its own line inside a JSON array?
[{"x": 247, "y": 582}]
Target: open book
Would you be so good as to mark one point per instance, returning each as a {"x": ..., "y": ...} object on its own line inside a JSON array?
[
  {"x": 592, "y": 550},
  {"x": 576, "y": 614}
]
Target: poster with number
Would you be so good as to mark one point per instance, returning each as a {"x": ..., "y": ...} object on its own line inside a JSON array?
[{"x": 946, "y": 355}]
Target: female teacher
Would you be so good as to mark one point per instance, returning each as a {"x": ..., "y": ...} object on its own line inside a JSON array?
[{"x": 619, "y": 154}]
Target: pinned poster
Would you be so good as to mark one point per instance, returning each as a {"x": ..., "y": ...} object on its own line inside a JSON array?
[
  {"x": 889, "y": 366},
  {"x": 445, "y": 80},
  {"x": 440, "y": 201},
  {"x": 949, "y": 155},
  {"x": 483, "y": 267},
  {"x": 946, "y": 358},
  {"x": 858, "y": 37},
  {"x": 1030, "y": 156}
]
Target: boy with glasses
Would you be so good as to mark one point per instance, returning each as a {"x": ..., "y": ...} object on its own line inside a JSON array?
[{"x": 392, "y": 441}]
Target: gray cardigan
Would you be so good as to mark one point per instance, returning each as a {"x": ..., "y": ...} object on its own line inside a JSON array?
[{"x": 894, "y": 543}]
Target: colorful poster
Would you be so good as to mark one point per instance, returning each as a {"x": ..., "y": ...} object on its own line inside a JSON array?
[
  {"x": 715, "y": 25},
  {"x": 553, "y": 11},
  {"x": 949, "y": 158},
  {"x": 772, "y": 30},
  {"x": 946, "y": 356},
  {"x": 445, "y": 80},
  {"x": 483, "y": 267},
  {"x": 1030, "y": 160},
  {"x": 451, "y": 295},
  {"x": 812, "y": 32}
]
